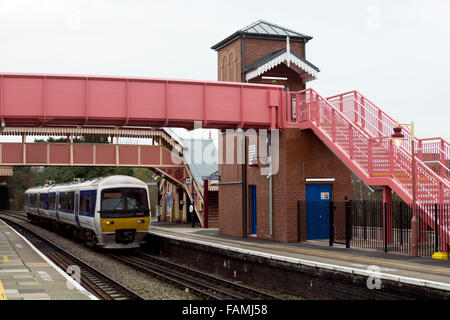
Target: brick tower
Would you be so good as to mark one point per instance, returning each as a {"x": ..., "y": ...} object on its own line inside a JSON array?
[{"x": 267, "y": 53}]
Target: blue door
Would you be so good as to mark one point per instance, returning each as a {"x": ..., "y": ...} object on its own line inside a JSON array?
[
  {"x": 318, "y": 197},
  {"x": 252, "y": 209}
]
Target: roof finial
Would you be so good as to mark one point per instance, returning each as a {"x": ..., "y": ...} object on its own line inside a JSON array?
[{"x": 288, "y": 51}]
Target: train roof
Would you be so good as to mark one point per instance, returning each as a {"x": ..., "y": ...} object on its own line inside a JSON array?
[{"x": 101, "y": 181}]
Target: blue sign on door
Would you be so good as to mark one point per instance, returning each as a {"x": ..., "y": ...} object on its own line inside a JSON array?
[{"x": 318, "y": 197}]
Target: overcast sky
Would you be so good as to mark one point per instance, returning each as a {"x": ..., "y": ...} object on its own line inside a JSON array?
[{"x": 395, "y": 53}]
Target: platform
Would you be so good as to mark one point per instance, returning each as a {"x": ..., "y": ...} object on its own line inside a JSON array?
[
  {"x": 26, "y": 274},
  {"x": 405, "y": 269}
]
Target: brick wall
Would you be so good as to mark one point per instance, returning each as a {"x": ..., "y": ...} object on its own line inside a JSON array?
[
  {"x": 230, "y": 195},
  {"x": 229, "y": 62},
  {"x": 296, "y": 147},
  {"x": 257, "y": 48}
]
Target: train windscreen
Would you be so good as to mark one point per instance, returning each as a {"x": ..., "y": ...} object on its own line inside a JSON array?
[{"x": 124, "y": 203}]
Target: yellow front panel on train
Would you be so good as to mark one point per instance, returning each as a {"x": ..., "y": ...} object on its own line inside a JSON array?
[{"x": 112, "y": 224}]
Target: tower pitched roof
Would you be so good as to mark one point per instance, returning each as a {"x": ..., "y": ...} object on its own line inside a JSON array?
[{"x": 263, "y": 29}]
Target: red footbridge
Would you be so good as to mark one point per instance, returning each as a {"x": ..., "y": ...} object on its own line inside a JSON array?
[{"x": 349, "y": 124}]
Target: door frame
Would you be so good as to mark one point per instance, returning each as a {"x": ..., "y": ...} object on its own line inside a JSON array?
[{"x": 252, "y": 205}]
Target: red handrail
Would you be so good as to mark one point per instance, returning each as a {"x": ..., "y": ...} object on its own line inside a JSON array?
[{"x": 357, "y": 98}]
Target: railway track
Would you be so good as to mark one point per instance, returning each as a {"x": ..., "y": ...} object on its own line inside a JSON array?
[
  {"x": 199, "y": 283},
  {"x": 17, "y": 215},
  {"x": 94, "y": 281}
]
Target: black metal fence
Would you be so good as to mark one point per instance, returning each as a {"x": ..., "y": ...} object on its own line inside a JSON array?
[
  {"x": 382, "y": 226},
  {"x": 387, "y": 227}
]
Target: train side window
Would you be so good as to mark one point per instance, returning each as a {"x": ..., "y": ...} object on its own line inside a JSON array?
[
  {"x": 86, "y": 202},
  {"x": 42, "y": 201},
  {"x": 67, "y": 201}
]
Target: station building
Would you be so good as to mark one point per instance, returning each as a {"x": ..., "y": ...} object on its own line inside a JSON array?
[{"x": 308, "y": 170}]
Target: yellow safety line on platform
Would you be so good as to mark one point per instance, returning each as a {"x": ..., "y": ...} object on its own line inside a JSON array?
[
  {"x": 318, "y": 252},
  {"x": 5, "y": 258},
  {"x": 343, "y": 256},
  {"x": 2, "y": 292}
]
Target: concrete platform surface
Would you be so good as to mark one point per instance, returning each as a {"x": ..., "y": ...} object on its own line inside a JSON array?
[
  {"x": 421, "y": 271},
  {"x": 26, "y": 274}
]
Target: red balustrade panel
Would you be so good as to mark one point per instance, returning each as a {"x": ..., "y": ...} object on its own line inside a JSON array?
[
  {"x": 150, "y": 155},
  {"x": 106, "y": 154},
  {"x": 60, "y": 154},
  {"x": 83, "y": 154},
  {"x": 36, "y": 153},
  {"x": 12, "y": 153},
  {"x": 128, "y": 155}
]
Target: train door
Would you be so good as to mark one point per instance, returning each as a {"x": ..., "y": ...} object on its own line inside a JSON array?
[
  {"x": 77, "y": 207},
  {"x": 318, "y": 197},
  {"x": 38, "y": 204},
  {"x": 57, "y": 205},
  {"x": 253, "y": 210}
]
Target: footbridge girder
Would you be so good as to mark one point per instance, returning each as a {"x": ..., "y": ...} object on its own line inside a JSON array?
[{"x": 50, "y": 100}]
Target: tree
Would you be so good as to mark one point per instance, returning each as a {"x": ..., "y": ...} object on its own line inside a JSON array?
[
  {"x": 22, "y": 179},
  {"x": 65, "y": 174},
  {"x": 144, "y": 174}
]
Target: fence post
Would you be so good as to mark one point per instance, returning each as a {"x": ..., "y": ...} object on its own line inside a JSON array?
[
  {"x": 365, "y": 219},
  {"x": 298, "y": 220},
  {"x": 331, "y": 222},
  {"x": 385, "y": 227},
  {"x": 436, "y": 231},
  {"x": 347, "y": 223},
  {"x": 401, "y": 223}
]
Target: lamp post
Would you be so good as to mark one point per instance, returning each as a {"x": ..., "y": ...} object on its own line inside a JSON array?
[{"x": 397, "y": 138}]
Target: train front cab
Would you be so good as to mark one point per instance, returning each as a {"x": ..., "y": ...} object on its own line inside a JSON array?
[{"x": 124, "y": 216}]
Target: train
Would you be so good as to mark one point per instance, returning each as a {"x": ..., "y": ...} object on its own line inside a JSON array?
[{"x": 107, "y": 212}]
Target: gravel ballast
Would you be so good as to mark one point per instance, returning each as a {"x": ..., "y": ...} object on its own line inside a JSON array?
[{"x": 141, "y": 283}]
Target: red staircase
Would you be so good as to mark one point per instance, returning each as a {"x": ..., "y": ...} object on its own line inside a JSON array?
[
  {"x": 352, "y": 127},
  {"x": 213, "y": 209},
  {"x": 434, "y": 152}
]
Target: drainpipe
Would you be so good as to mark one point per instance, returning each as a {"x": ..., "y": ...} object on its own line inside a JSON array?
[
  {"x": 270, "y": 188},
  {"x": 244, "y": 186}
]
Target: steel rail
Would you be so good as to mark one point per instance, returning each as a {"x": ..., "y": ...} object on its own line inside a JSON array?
[{"x": 201, "y": 283}]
